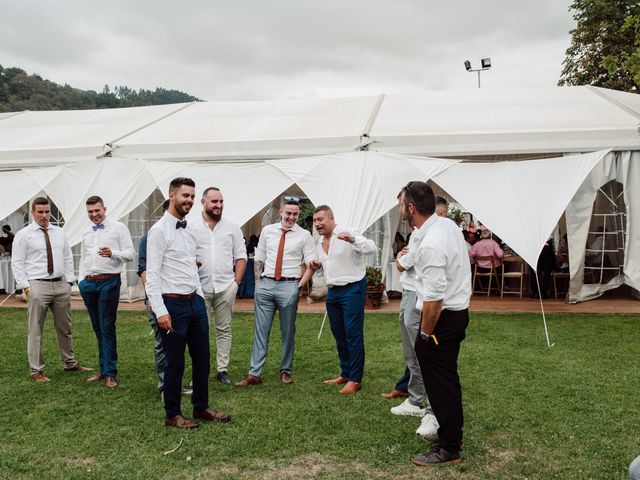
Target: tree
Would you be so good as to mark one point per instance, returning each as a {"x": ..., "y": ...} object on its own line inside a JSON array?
[{"x": 605, "y": 45}]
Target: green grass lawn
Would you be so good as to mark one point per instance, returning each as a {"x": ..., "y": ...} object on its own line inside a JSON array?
[{"x": 568, "y": 412}]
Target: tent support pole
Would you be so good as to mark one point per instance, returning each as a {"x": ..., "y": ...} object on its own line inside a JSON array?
[
  {"x": 322, "y": 326},
  {"x": 544, "y": 319}
]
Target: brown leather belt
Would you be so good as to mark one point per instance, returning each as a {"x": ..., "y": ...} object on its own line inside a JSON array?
[
  {"x": 179, "y": 295},
  {"x": 102, "y": 276}
]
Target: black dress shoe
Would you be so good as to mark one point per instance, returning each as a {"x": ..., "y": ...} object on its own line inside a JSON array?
[{"x": 223, "y": 377}]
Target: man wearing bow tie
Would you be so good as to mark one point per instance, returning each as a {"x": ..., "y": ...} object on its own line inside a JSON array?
[
  {"x": 106, "y": 247},
  {"x": 176, "y": 297}
]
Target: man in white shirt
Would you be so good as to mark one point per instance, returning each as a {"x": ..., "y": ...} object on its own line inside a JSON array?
[
  {"x": 42, "y": 266},
  {"x": 222, "y": 256},
  {"x": 175, "y": 296},
  {"x": 282, "y": 249},
  {"x": 341, "y": 254},
  {"x": 105, "y": 249},
  {"x": 443, "y": 294}
]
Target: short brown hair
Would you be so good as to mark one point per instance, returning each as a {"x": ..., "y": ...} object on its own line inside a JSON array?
[
  {"x": 92, "y": 200},
  {"x": 323, "y": 208},
  {"x": 39, "y": 201},
  {"x": 176, "y": 183}
]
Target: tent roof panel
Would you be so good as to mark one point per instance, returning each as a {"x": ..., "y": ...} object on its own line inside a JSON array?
[{"x": 75, "y": 128}]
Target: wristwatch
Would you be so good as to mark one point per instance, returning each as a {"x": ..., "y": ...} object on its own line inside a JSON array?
[{"x": 424, "y": 336}]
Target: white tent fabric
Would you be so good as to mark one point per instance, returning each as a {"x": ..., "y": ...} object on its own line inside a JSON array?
[
  {"x": 246, "y": 187},
  {"x": 254, "y": 130},
  {"x": 360, "y": 187},
  {"x": 62, "y": 137},
  {"x": 520, "y": 201},
  {"x": 123, "y": 184},
  {"x": 625, "y": 168},
  {"x": 17, "y": 188},
  {"x": 507, "y": 121}
]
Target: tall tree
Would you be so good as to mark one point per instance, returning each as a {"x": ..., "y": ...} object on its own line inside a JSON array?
[{"x": 605, "y": 45}]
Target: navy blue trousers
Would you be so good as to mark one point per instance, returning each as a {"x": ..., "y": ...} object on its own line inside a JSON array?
[
  {"x": 101, "y": 298},
  {"x": 345, "y": 307},
  {"x": 190, "y": 327}
]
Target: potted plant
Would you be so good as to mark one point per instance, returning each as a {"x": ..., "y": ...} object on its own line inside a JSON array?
[{"x": 375, "y": 287}]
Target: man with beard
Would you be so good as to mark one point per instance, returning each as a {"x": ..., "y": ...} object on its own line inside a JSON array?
[
  {"x": 444, "y": 291},
  {"x": 175, "y": 295},
  {"x": 341, "y": 253},
  {"x": 220, "y": 251},
  {"x": 282, "y": 249},
  {"x": 105, "y": 249}
]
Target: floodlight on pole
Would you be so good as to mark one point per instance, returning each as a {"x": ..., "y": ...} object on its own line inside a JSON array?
[{"x": 485, "y": 65}]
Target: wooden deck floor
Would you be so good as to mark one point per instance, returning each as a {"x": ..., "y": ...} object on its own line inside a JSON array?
[{"x": 478, "y": 304}]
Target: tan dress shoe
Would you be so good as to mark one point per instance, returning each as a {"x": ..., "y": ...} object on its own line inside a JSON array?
[
  {"x": 395, "y": 394},
  {"x": 39, "y": 377},
  {"x": 336, "y": 381},
  {"x": 78, "y": 368},
  {"x": 180, "y": 422},
  {"x": 213, "y": 415},
  {"x": 350, "y": 387},
  {"x": 95, "y": 378},
  {"x": 285, "y": 378},
  {"x": 248, "y": 381},
  {"x": 110, "y": 382}
]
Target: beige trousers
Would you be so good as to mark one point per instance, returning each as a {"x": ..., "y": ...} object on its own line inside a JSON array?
[
  {"x": 220, "y": 308},
  {"x": 57, "y": 297}
]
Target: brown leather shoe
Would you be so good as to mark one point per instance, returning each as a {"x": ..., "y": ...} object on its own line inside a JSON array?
[
  {"x": 39, "y": 377},
  {"x": 350, "y": 387},
  {"x": 285, "y": 378},
  {"x": 395, "y": 394},
  {"x": 248, "y": 381},
  {"x": 95, "y": 378},
  {"x": 336, "y": 381},
  {"x": 213, "y": 415},
  {"x": 110, "y": 382},
  {"x": 180, "y": 422},
  {"x": 78, "y": 368}
]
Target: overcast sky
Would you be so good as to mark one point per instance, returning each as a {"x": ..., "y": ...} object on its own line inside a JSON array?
[{"x": 280, "y": 49}]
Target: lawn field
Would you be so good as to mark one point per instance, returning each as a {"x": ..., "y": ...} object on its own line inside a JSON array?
[{"x": 569, "y": 412}]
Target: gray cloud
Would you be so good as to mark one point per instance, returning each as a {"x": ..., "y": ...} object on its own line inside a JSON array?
[{"x": 254, "y": 49}]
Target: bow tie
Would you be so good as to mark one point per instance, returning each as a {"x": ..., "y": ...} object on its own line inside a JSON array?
[
  {"x": 96, "y": 227},
  {"x": 180, "y": 224}
]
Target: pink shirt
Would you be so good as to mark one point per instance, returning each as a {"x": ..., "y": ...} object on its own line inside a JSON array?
[{"x": 487, "y": 247}]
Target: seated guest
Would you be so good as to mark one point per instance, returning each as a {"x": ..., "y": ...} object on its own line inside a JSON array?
[
  {"x": 487, "y": 247},
  {"x": 6, "y": 241},
  {"x": 398, "y": 244}
]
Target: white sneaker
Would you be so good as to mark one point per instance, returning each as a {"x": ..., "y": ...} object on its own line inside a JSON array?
[
  {"x": 428, "y": 428},
  {"x": 407, "y": 408}
]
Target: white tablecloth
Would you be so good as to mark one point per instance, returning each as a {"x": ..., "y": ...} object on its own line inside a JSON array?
[
  {"x": 392, "y": 280},
  {"x": 6, "y": 275}
]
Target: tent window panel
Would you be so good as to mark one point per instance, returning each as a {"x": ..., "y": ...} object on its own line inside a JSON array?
[
  {"x": 377, "y": 232},
  {"x": 604, "y": 256}
]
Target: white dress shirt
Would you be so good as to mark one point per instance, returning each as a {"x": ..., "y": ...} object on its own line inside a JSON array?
[
  {"x": 114, "y": 235},
  {"x": 443, "y": 265},
  {"x": 344, "y": 262},
  {"x": 171, "y": 262},
  {"x": 29, "y": 255},
  {"x": 299, "y": 248},
  {"x": 218, "y": 250},
  {"x": 409, "y": 278}
]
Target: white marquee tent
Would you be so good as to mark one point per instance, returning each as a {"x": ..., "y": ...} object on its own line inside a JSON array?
[{"x": 255, "y": 151}]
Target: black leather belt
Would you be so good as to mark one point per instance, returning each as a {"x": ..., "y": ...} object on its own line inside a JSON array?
[
  {"x": 57, "y": 279},
  {"x": 283, "y": 279}
]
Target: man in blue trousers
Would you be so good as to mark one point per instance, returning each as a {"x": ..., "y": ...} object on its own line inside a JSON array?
[
  {"x": 341, "y": 253},
  {"x": 105, "y": 249}
]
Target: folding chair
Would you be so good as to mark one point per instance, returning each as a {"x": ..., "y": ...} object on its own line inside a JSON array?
[
  {"x": 490, "y": 275},
  {"x": 512, "y": 268}
]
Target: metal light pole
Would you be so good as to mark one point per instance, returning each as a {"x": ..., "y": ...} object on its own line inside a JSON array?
[{"x": 486, "y": 65}]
